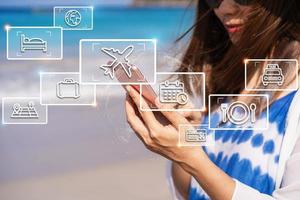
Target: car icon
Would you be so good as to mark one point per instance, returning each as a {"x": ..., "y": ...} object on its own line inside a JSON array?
[{"x": 272, "y": 75}]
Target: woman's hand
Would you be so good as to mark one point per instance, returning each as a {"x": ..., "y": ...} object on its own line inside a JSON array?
[
  {"x": 194, "y": 117},
  {"x": 161, "y": 138}
]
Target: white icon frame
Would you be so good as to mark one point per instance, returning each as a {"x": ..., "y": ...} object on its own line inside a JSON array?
[
  {"x": 272, "y": 60},
  {"x": 34, "y": 27},
  {"x": 172, "y": 110},
  {"x": 24, "y": 123},
  {"x": 74, "y": 7},
  {"x": 65, "y": 104},
  {"x": 117, "y": 40},
  {"x": 239, "y": 95}
]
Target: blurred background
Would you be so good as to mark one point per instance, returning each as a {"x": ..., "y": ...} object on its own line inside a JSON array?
[{"x": 85, "y": 152}]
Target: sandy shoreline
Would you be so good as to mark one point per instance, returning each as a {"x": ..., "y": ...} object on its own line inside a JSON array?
[
  {"x": 139, "y": 179},
  {"x": 84, "y": 152}
]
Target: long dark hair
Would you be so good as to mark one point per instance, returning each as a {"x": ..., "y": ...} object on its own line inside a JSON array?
[{"x": 272, "y": 26}]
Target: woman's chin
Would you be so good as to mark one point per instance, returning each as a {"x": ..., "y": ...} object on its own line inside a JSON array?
[{"x": 234, "y": 38}]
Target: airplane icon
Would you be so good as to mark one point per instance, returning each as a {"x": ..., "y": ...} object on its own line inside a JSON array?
[{"x": 120, "y": 60}]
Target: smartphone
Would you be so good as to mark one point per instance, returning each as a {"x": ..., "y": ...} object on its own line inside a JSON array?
[
  {"x": 136, "y": 76},
  {"x": 147, "y": 91}
]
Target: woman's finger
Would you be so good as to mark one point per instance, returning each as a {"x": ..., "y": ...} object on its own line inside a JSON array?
[
  {"x": 173, "y": 116},
  {"x": 191, "y": 116},
  {"x": 148, "y": 116},
  {"x": 135, "y": 122}
]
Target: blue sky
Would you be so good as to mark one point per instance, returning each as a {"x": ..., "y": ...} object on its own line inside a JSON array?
[{"x": 39, "y": 3}]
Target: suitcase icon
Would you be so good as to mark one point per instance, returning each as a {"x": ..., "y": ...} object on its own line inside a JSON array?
[{"x": 68, "y": 89}]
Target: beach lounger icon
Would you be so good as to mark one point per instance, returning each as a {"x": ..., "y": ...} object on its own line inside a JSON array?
[{"x": 32, "y": 44}]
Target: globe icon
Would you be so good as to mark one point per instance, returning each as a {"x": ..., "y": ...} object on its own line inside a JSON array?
[{"x": 72, "y": 18}]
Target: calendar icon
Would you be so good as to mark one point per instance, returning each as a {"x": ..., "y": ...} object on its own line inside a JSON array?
[{"x": 172, "y": 92}]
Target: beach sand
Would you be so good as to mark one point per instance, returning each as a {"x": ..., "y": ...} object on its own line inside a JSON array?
[
  {"x": 84, "y": 152},
  {"x": 139, "y": 179}
]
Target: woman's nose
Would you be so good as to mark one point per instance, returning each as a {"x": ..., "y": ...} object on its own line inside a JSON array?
[{"x": 228, "y": 7}]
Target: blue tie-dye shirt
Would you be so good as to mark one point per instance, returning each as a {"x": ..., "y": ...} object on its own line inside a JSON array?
[{"x": 247, "y": 155}]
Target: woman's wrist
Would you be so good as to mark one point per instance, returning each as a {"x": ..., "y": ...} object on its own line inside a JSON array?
[
  {"x": 193, "y": 161},
  {"x": 209, "y": 176}
]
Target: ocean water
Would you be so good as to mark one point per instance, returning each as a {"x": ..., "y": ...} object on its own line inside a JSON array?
[
  {"x": 163, "y": 24},
  {"x": 77, "y": 138}
]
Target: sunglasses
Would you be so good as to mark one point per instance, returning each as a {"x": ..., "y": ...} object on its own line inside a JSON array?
[{"x": 216, "y": 3}]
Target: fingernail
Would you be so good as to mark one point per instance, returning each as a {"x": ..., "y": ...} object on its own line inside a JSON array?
[{"x": 127, "y": 87}]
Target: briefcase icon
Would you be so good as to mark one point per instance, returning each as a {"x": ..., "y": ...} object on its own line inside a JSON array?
[{"x": 68, "y": 89}]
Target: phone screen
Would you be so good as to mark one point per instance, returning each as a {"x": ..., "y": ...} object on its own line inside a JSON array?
[{"x": 136, "y": 76}]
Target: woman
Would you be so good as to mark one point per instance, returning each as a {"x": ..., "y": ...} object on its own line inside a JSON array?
[{"x": 243, "y": 164}]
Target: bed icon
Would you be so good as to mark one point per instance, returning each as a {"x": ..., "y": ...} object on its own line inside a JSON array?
[{"x": 32, "y": 44}]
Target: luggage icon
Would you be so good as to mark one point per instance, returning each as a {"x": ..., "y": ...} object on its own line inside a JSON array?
[{"x": 68, "y": 89}]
